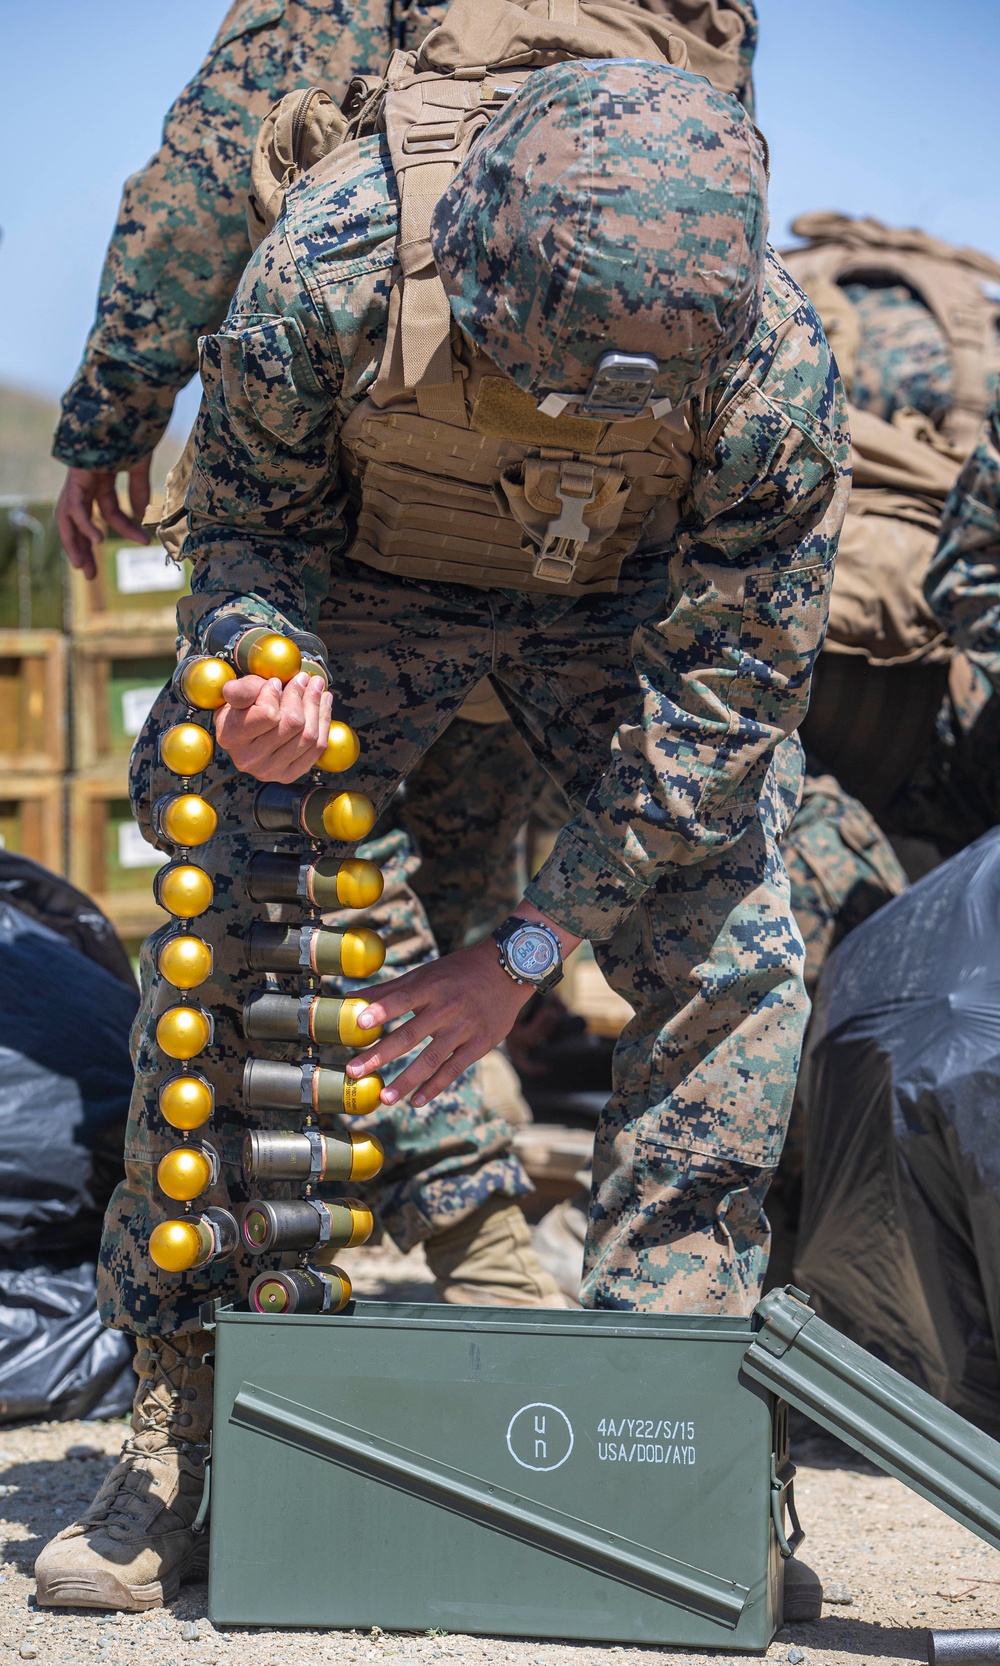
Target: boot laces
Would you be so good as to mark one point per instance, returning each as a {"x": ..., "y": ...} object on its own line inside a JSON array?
[{"x": 126, "y": 1501}]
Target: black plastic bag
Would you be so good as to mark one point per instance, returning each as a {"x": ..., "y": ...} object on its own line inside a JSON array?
[
  {"x": 65, "y": 1082},
  {"x": 899, "y": 1242}
]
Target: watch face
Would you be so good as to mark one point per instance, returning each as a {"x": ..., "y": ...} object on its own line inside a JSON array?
[{"x": 531, "y": 952}]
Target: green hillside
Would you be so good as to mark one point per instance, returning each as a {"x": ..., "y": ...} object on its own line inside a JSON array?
[{"x": 27, "y": 423}]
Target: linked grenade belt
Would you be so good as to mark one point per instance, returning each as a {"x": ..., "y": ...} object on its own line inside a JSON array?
[{"x": 197, "y": 1233}]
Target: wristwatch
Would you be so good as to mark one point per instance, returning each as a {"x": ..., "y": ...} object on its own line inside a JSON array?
[{"x": 529, "y": 952}]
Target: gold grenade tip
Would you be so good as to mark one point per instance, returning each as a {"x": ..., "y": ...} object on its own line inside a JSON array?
[
  {"x": 349, "y": 817},
  {"x": 177, "y": 1246},
  {"x": 359, "y": 883},
  {"x": 342, "y": 750},
  {"x": 185, "y": 890},
  {"x": 188, "y": 819},
  {"x": 362, "y": 1095},
  {"x": 203, "y": 680},
  {"x": 184, "y": 961},
  {"x": 181, "y": 1032},
  {"x": 186, "y": 749},
  {"x": 274, "y": 656},
  {"x": 362, "y": 952},
  {"x": 347, "y": 1025},
  {"x": 186, "y": 1102},
  {"x": 367, "y": 1157},
  {"x": 184, "y": 1173}
]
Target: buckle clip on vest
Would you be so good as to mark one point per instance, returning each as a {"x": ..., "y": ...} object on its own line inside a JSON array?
[{"x": 569, "y": 533}]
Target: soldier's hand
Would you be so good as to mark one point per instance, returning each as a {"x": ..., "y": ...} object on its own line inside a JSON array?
[
  {"x": 274, "y": 733},
  {"x": 465, "y": 1003},
  {"x": 87, "y": 489}
]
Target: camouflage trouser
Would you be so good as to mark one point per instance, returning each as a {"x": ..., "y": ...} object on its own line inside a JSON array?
[
  {"x": 466, "y": 802},
  {"x": 953, "y": 797},
  {"x": 439, "y": 1167},
  {"x": 841, "y": 868},
  {"x": 711, "y": 961}
]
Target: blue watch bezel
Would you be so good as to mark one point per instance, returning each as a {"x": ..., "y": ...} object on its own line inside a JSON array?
[{"x": 510, "y": 928}]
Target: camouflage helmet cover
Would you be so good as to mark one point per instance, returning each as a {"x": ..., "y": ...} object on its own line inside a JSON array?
[{"x": 611, "y": 204}]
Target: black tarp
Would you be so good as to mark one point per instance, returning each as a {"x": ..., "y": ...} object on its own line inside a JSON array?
[
  {"x": 67, "y": 1000},
  {"x": 899, "y": 1242}
]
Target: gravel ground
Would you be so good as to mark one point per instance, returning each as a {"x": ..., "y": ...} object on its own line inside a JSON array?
[{"x": 898, "y": 1566}]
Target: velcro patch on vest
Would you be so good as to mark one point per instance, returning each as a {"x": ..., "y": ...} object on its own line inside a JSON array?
[{"x": 506, "y": 412}]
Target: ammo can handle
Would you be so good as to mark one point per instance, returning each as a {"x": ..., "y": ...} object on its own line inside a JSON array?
[{"x": 589, "y": 1546}]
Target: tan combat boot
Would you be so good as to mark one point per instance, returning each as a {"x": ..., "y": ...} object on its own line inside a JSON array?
[
  {"x": 135, "y": 1543},
  {"x": 488, "y": 1260}
]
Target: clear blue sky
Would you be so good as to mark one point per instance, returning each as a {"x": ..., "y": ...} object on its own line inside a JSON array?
[{"x": 885, "y": 107}]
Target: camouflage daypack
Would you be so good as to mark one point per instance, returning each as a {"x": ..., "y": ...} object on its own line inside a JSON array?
[{"x": 953, "y": 284}]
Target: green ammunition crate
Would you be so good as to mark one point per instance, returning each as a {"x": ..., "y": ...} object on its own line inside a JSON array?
[
  {"x": 588, "y": 1475},
  {"x": 115, "y": 681},
  {"x": 602, "y": 1476},
  {"x": 137, "y": 589}
]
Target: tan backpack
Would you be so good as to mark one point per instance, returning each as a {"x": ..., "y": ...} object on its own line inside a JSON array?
[{"x": 950, "y": 281}]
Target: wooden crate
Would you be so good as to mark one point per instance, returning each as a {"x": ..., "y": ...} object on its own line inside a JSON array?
[
  {"x": 115, "y": 680},
  {"x": 32, "y": 817},
  {"x": 136, "y": 590},
  {"x": 32, "y": 702},
  {"x": 32, "y": 567},
  {"x": 108, "y": 856}
]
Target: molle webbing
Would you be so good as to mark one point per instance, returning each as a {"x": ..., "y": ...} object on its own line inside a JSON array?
[{"x": 467, "y": 507}]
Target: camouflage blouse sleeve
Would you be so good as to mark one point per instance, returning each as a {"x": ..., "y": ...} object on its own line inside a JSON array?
[
  {"x": 180, "y": 243},
  {"x": 962, "y": 585},
  {"x": 724, "y": 673}
]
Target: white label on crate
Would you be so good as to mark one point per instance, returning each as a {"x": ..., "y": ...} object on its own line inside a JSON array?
[
  {"x": 646, "y": 1440},
  {"x": 135, "y": 708},
  {"x": 141, "y": 567},
  {"x": 134, "y": 851},
  {"x": 540, "y": 1436}
]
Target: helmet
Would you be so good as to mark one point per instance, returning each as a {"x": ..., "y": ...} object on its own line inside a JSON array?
[{"x": 612, "y": 203}]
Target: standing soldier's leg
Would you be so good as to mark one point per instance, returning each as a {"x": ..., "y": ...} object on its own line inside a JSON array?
[
  {"x": 466, "y": 801},
  {"x": 703, "y": 1082}
]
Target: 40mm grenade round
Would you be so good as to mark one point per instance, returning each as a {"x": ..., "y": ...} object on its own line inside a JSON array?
[
  {"x": 304, "y": 1290},
  {"x": 178, "y": 1246},
  {"x": 319, "y": 1018},
  {"x": 183, "y": 890},
  {"x": 186, "y": 749},
  {"x": 305, "y": 1224},
  {"x": 270, "y": 1085},
  {"x": 328, "y": 883},
  {"x": 276, "y": 948},
  {"x": 311, "y": 1156},
  {"x": 186, "y": 1102}
]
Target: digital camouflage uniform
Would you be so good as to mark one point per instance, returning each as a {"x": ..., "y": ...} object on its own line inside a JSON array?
[
  {"x": 175, "y": 257},
  {"x": 656, "y": 708},
  {"x": 956, "y": 797}
]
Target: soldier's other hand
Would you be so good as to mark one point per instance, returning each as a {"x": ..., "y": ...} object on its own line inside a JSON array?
[
  {"x": 85, "y": 490},
  {"x": 465, "y": 1003},
  {"x": 274, "y": 733}
]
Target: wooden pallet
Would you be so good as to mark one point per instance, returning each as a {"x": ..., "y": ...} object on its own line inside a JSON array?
[
  {"x": 32, "y": 817},
  {"x": 115, "y": 680},
  {"x": 32, "y": 702},
  {"x": 136, "y": 591},
  {"x": 108, "y": 857}
]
